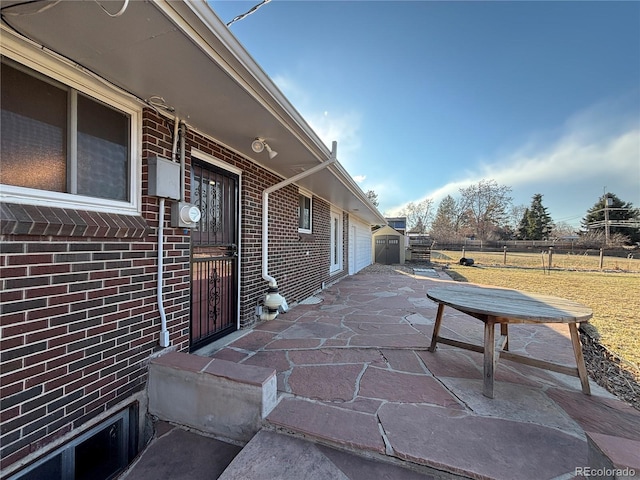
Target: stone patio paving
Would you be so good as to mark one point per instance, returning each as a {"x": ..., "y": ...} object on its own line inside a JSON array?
[{"x": 354, "y": 373}]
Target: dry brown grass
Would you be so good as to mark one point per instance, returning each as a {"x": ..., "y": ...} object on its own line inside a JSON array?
[{"x": 613, "y": 297}]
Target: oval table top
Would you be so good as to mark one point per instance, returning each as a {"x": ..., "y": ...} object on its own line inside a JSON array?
[{"x": 511, "y": 306}]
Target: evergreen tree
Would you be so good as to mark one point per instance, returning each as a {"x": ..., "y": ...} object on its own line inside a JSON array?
[
  {"x": 536, "y": 223},
  {"x": 623, "y": 218},
  {"x": 446, "y": 224}
]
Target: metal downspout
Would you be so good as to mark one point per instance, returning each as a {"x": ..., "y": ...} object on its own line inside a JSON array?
[{"x": 265, "y": 209}]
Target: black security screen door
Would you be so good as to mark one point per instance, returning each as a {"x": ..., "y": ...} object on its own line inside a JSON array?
[{"x": 214, "y": 254}]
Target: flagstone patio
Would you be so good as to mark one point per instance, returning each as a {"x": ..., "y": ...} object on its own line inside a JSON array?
[{"x": 354, "y": 373}]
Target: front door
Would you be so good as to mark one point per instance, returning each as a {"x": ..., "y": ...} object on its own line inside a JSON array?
[{"x": 214, "y": 254}]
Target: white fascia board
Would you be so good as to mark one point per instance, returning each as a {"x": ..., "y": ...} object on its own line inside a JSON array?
[
  {"x": 347, "y": 180},
  {"x": 240, "y": 66}
]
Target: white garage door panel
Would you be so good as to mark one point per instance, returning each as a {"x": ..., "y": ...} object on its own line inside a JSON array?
[
  {"x": 363, "y": 253},
  {"x": 363, "y": 250}
]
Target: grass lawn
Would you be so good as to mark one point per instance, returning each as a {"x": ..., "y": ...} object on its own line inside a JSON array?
[{"x": 613, "y": 297}]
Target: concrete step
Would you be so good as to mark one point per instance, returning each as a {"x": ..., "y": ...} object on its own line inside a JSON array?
[
  {"x": 443, "y": 442},
  {"x": 272, "y": 455}
]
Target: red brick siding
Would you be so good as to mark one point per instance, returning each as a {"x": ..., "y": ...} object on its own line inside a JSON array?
[
  {"x": 298, "y": 274},
  {"x": 78, "y": 321},
  {"x": 79, "y": 314}
]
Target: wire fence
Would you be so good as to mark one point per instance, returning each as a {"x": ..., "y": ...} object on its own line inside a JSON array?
[{"x": 542, "y": 258}]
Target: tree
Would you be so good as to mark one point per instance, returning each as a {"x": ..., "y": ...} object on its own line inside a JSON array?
[
  {"x": 485, "y": 207},
  {"x": 418, "y": 216},
  {"x": 514, "y": 216},
  {"x": 595, "y": 238},
  {"x": 622, "y": 218},
  {"x": 445, "y": 227},
  {"x": 536, "y": 223},
  {"x": 373, "y": 197},
  {"x": 563, "y": 230}
]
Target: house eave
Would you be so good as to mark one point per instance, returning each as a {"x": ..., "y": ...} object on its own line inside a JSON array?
[{"x": 181, "y": 51}]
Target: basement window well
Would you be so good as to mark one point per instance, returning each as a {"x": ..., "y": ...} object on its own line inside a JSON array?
[{"x": 98, "y": 454}]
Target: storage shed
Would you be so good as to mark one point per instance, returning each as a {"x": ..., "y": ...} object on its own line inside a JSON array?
[{"x": 388, "y": 246}]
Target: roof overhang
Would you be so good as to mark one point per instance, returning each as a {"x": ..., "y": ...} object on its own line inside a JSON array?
[{"x": 181, "y": 51}]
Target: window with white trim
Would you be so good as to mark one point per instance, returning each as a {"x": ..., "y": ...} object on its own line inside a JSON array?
[
  {"x": 61, "y": 146},
  {"x": 304, "y": 213},
  {"x": 336, "y": 242}
]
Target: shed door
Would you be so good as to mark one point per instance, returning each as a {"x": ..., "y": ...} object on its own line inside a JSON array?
[
  {"x": 214, "y": 254},
  {"x": 387, "y": 249}
]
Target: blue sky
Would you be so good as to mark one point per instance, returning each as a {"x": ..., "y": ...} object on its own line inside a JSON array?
[{"x": 427, "y": 97}]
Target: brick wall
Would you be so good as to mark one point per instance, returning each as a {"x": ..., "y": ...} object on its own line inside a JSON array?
[
  {"x": 79, "y": 320},
  {"x": 79, "y": 315},
  {"x": 79, "y": 312},
  {"x": 299, "y": 263}
]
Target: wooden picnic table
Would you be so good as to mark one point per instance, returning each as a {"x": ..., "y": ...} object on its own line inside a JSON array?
[{"x": 504, "y": 306}]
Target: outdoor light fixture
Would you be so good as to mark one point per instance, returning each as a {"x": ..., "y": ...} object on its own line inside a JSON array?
[{"x": 258, "y": 145}]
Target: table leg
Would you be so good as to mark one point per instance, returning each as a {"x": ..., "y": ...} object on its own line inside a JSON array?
[
  {"x": 489, "y": 358},
  {"x": 436, "y": 328},
  {"x": 504, "y": 331},
  {"x": 577, "y": 351}
]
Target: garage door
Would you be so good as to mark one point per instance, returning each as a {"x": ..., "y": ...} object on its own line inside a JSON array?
[{"x": 359, "y": 245}]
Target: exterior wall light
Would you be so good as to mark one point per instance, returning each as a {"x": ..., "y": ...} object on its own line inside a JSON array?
[{"x": 258, "y": 145}]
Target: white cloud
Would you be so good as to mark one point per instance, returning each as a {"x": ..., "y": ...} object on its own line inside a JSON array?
[
  {"x": 343, "y": 127},
  {"x": 597, "y": 148},
  {"x": 570, "y": 161},
  {"x": 329, "y": 125}
]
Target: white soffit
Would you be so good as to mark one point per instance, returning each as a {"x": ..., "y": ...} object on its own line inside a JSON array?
[{"x": 182, "y": 52}]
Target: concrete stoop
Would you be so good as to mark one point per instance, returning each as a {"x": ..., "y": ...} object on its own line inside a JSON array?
[
  {"x": 216, "y": 397},
  {"x": 232, "y": 401}
]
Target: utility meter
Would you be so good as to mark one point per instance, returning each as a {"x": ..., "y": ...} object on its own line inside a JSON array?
[
  {"x": 184, "y": 215},
  {"x": 190, "y": 214}
]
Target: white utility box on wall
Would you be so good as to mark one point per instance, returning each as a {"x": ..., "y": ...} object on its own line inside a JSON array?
[{"x": 164, "y": 178}]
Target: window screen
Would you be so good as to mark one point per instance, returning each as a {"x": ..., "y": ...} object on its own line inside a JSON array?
[
  {"x": 33, "y": 133},
  {"x": 304, "y": 213},
  {"x": 56, "y": 139},
  {"x": 103, "y": 150}
]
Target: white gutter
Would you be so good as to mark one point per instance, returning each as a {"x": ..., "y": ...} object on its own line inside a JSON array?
[{"x": 265, "y": 209}]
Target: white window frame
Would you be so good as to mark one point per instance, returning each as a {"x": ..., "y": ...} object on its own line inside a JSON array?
[
  {"x": 336, "y": 242},
  {"x": 309, "y": 195},
  {"x": 59, "y": 69}
]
